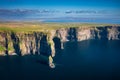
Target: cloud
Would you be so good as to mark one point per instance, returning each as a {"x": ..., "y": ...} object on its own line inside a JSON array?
[
  {"x": 17, "y": 12},
  {"x": 12, "y": 12},
  {"x": 45, "y": 14},
  {"x": 86, "y": 12},
  {"x": 25, "y": 13}
]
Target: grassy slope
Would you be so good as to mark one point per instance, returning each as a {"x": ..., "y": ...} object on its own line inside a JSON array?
[{"x": 34, "y": 26}]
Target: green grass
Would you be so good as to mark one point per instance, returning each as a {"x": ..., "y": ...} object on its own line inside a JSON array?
[
  {"x": 42, "y": 27},
  {"x": 2, "y": 48}
]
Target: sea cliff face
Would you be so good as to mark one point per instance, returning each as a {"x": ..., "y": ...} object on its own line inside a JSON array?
[{"x": 21, "y": 43}]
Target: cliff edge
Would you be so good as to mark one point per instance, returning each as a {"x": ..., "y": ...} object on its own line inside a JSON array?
[{"x": 50, "y": 40}]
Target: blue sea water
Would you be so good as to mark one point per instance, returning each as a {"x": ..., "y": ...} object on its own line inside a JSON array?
[
  {"x": 99, "y": 21},
  {"x": 64, "y": 20},
  {"x": 85, "y": 60}
]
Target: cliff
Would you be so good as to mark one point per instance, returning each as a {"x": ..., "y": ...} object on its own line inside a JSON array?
[{"x": 50, "y": 41}]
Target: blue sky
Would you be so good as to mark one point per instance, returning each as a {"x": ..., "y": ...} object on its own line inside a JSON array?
[
  {"x": 59, "y": 3},
  {"x": 87, "y": 9}
]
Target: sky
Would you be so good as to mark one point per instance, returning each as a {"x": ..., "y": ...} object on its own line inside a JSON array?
[
  {"x": 59, "y": 3},
  {"x": 45, "y": 10}
]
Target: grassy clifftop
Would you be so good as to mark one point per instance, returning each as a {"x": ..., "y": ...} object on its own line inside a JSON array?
[{"x": 34, "y": 26}]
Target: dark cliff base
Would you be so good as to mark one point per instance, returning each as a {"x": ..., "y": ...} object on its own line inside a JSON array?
[{"x": 84, "y": 60}]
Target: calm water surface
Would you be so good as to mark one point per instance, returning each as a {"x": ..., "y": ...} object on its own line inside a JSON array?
[{"x": 85, "y": 60}]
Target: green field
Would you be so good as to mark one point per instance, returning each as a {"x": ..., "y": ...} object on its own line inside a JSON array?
[{"x": 35, "y": 26}]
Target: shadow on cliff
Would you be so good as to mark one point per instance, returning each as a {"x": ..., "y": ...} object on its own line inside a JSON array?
[
  {"x": 102, "y": 33},
  {"x": 72, "y": 34},
  {"x": 16, "y": 43},
  {"x": 37, "y": 41},
  {"x": 57, "y": 45},
  {"x": 6, "y": 44},
  {"x": 45, "y": 48}
]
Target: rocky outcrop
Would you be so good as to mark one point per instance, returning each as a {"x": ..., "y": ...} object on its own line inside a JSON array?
[
  {"x": 113, "y": 33},
  {"x": 49, "y": 42}
]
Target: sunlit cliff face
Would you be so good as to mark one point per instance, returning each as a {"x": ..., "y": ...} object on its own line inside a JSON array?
[{"x": 40, "y": 42}]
